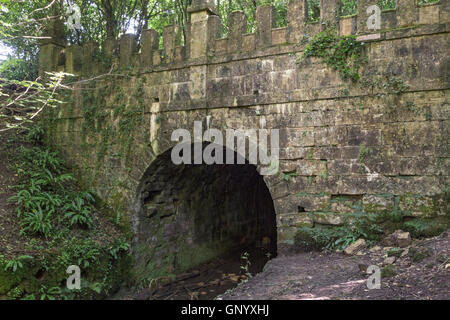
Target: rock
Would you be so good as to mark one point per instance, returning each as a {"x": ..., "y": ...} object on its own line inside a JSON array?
[
  {"x": 403, "y": 239},
  {"x": 398, "y": 239},
  {"x": 390, "y": 260},
  {"x": 355, "y": 246},
  {"x": 405, "y": 253},
  {"x": 375, "y": 249}
]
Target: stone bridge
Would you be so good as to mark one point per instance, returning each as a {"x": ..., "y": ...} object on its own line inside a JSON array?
[{"x": 347, "y": 150}]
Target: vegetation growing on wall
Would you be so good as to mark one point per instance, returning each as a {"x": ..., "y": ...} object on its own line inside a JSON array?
[{"x": 343, "y": 54}]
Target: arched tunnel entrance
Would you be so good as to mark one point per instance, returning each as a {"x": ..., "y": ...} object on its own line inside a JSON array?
[{"x": 189, "y": 215}]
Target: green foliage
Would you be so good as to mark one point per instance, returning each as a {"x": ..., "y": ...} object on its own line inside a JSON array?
[
  {"x": 421, "y": 2},
  {"x": 43, "y": 197},
  {"x": 81, "y": 252},
  {"x": 22, "y": 101},
  {"x": 287, "y": 175},
  {"x": 419, "y": 228},
  {"x": 49, "y": 293},
  {"x": 388, "y": 83},
  {"x": 35, "y": 133},
  {"x": 249, "y": 8},
  {"x": 36, "y": 221},
  {"x": 20, "y": 23},
  {"x": 343, "y": 54},
  {"x": 18, "y": 69},
  {"x": 316, "y": 238},
  {"x": 16, "y": 263},
  {"x": 120, "y": 245},
  {"x": 15, "y": 293},
  {"x": 313, "y": 13},
  {"x": 386, "y": 4},
  {"x": 348, "y": 7},
  {"x": 79, "y": 210},
  {"x": 332, "y": 238},
  {"x": 245, "y": 267}
]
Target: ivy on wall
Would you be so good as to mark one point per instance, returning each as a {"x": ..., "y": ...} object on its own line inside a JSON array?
[{"x": 343, "y": 54}]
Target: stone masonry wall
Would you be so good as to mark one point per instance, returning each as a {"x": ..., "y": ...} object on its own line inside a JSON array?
[{"x": 347, "y": 150}]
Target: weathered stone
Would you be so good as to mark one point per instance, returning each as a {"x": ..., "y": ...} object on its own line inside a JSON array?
[
  {"x": 399, "y": 239},
  {"x": 329, "y": 12},
  {"x": 403, "y": 239},
  {"x": 149, "y": 46},
  {"x": 355, "y": 246},
  {"x": 347, "y": 26},
  {"x": 295, "y": 220},
  {"x": 171, "y": 38},
  {"x": 407, "y": 12},
  {"x": 238, "y": 27},
  {"x": 265, "y": 18},
  {"x": 128, "y": 46},
  {"x": 389, "y": 260},
  {"x": 329, "y": 218},
  {"x": 296, "y": 21}
]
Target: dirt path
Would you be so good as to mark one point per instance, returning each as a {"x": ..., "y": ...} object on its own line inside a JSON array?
[{"x": 423, "y": 272}]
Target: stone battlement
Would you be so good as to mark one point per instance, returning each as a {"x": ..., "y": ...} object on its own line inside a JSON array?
[{"x": 204, "y": 43}]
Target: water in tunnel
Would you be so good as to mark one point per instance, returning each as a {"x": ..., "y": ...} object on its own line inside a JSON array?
[{"x": 191, "y": 214}]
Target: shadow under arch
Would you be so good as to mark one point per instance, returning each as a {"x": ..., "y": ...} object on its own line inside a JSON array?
[{"x": 190, "y": 214}]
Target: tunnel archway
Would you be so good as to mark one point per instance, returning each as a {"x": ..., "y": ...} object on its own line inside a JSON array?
[{"x": 190, "y": 214}]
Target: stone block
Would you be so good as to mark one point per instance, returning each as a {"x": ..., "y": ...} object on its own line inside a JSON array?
[
  {"x": 128, "y": 47},
  {"x": 237, "y": 23},
  {"x": 296, "y": 21},
  {"x": 265, "y": 20}
]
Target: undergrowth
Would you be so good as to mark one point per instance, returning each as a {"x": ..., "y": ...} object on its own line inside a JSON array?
[
  {"x": 336, "y": 238},
  {"x": 60, "y": 226},
  {"x": 45, "y": 196}
]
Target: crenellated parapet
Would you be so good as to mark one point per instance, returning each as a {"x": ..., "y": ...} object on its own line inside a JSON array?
[{"x": 203, "y": 34}]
